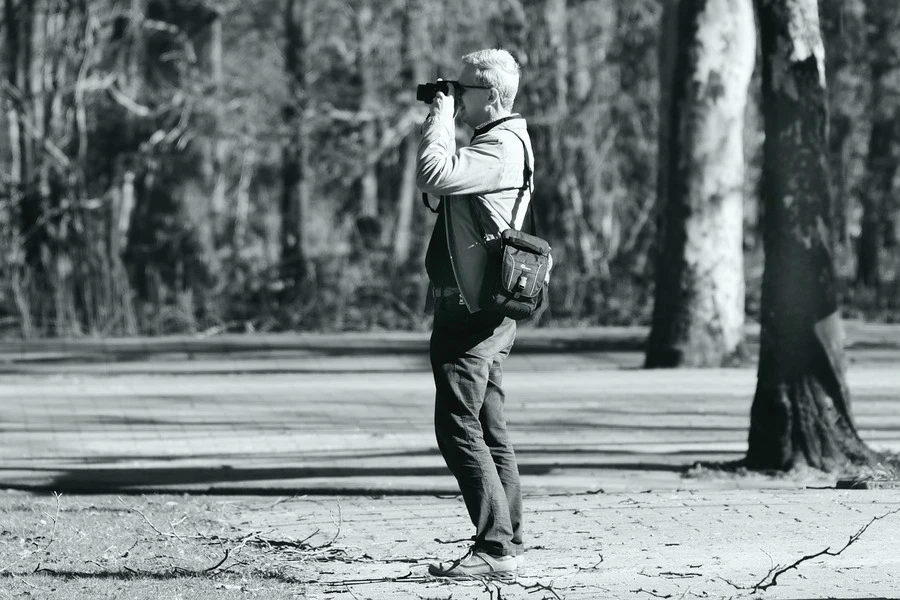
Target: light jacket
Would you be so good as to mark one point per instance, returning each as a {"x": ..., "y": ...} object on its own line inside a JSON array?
[{"x": 491, "y": 170}]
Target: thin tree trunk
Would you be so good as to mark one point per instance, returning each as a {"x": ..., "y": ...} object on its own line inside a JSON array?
[
  {"x": 12, "y": 51},
  {"x": 698, "y": 313},
  {"x": 580, "y": 236},
  {"x": 414, "y": 42},
  {"x": 211, "y": 224},
  {"x": 367, "y": 106},
  {"x": 801, "y": 409},
  {"x": 295, "y": 164},
  {"x": 242, "y": 204},
  {"x": 883, "y": 18},
  {"x": 29, "y": 205}
]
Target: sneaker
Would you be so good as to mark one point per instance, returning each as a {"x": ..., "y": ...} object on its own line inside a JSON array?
[{"x": 477, "y": 565}]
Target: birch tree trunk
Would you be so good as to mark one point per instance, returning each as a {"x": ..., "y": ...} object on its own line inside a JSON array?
[
  {"x": 698, "y": 312},
  {"x": 801, "y": 411}
]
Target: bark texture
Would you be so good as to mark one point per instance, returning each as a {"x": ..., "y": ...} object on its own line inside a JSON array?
[
  {"x": 698, "y": 313},
  {"x": 295, "y": 165},
  {"x": 801, "y": 410},
  {"x": 884, "y": 141}
]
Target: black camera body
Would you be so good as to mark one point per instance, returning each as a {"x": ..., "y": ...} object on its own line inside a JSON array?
[{"x": 426, "y": 92}]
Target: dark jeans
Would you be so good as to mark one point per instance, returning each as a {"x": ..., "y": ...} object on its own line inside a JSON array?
[{"x": 467, "y": 352}]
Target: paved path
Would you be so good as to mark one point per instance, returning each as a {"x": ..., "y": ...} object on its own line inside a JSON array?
[
  {"x": 342, "y": 435},
  {"x": 680, "y": 544}
]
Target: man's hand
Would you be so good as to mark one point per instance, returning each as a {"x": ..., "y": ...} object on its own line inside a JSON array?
[{"x": 443, "y": 106}]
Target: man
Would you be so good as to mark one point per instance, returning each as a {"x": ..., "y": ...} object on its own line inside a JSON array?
[{"x": 484, "y": 188}]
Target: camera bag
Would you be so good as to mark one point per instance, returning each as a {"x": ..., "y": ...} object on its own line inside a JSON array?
[{"x": 517, "y": 264}]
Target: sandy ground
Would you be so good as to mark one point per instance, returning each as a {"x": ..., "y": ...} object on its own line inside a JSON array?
[{"x": 305, "y": 436}]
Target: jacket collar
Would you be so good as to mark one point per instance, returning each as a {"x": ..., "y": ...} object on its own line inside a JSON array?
[{"x": 482, "y": 129}]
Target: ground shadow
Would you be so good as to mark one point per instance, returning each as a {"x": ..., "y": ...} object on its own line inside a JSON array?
[{"x": 236, "y": 481}]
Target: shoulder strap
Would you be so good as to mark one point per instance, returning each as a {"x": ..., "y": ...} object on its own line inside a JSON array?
[
  {"x": 528, "y": 226},
  {"x": 526, "y": 185}
]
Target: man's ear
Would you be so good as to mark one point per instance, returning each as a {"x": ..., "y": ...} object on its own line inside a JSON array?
[{"x": 493, "y": 96}]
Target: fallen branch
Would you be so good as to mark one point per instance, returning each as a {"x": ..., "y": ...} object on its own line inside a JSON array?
[
  {"x": 777, "y": 571},
  {"x": 409, "y": 577}
]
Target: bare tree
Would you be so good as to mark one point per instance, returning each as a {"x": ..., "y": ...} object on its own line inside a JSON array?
[
  {"x": 801, "y": 411},
  {"x": 698, "y": 313}
]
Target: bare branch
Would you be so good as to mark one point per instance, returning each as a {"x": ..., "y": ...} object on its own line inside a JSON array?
[{"x": 775, "y": 572}]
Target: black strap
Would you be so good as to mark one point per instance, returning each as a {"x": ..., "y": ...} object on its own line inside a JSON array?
[
  {"x": 428, "y": 205},
  {"x": 527, "y": 185},
  {"x": 488, "y": 126}
]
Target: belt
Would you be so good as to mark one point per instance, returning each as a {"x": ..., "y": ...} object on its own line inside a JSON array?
[{"x": 444, "y": 292}]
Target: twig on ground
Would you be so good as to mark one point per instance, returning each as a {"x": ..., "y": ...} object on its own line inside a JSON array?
[
  {"x": 339, "y": 524},
  {"x": 490, "y": 590},
  {"x": 26, "y": 554},
  {"x": 775, "y": 572},
  {"x": 459, "y": 541},
  {"x": 148, "y": 521},
  {"x": 409, "y": 577},
  {"x": 31, "y": 585},
  {"x": 349, "y": 591},
  {"x": 537, "y": 587},
  {"x": 573, "y": 494},
  {"x": 218, "y": 564},
  {"x": 592, "y": 567},
  {"x": 55, "y": 519},
  {"x": 280, "y": 500},
  {"x": 652, "y": 593}
]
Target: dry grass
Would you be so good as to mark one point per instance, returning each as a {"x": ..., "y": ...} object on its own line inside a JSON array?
[{"x": 154, "y": 547}]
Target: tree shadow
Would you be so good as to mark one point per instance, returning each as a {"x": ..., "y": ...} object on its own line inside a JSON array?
[{"x": 227, "y": 480}]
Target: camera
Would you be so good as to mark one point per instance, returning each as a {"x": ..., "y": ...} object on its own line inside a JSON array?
[{"x": 426, "y": 92}]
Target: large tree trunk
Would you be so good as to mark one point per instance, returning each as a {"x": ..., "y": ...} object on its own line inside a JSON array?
[
  {"x": 801, "y": 410},
  {"x": 698, "y": 313},
  {"x": 884, "y": 143},
  {"x": 295, "y": 165}
]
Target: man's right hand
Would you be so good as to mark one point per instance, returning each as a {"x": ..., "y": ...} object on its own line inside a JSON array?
[{"x": 443, "y": 106}]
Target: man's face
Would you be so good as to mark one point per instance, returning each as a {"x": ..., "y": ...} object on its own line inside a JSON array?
[{"x": 473, "y": 101}]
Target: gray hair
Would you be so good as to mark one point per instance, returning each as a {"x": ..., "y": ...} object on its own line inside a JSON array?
[{"x": 498, "y": 69}]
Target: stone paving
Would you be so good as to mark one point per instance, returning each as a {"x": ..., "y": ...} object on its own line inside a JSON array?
[{"x": 341, "y": 441}]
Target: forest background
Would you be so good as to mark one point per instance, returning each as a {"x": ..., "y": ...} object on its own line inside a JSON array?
[{"x": 171, "y": 166}]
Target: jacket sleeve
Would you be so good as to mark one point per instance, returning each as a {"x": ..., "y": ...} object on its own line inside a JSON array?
[{"x": 441, "y": 170}]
